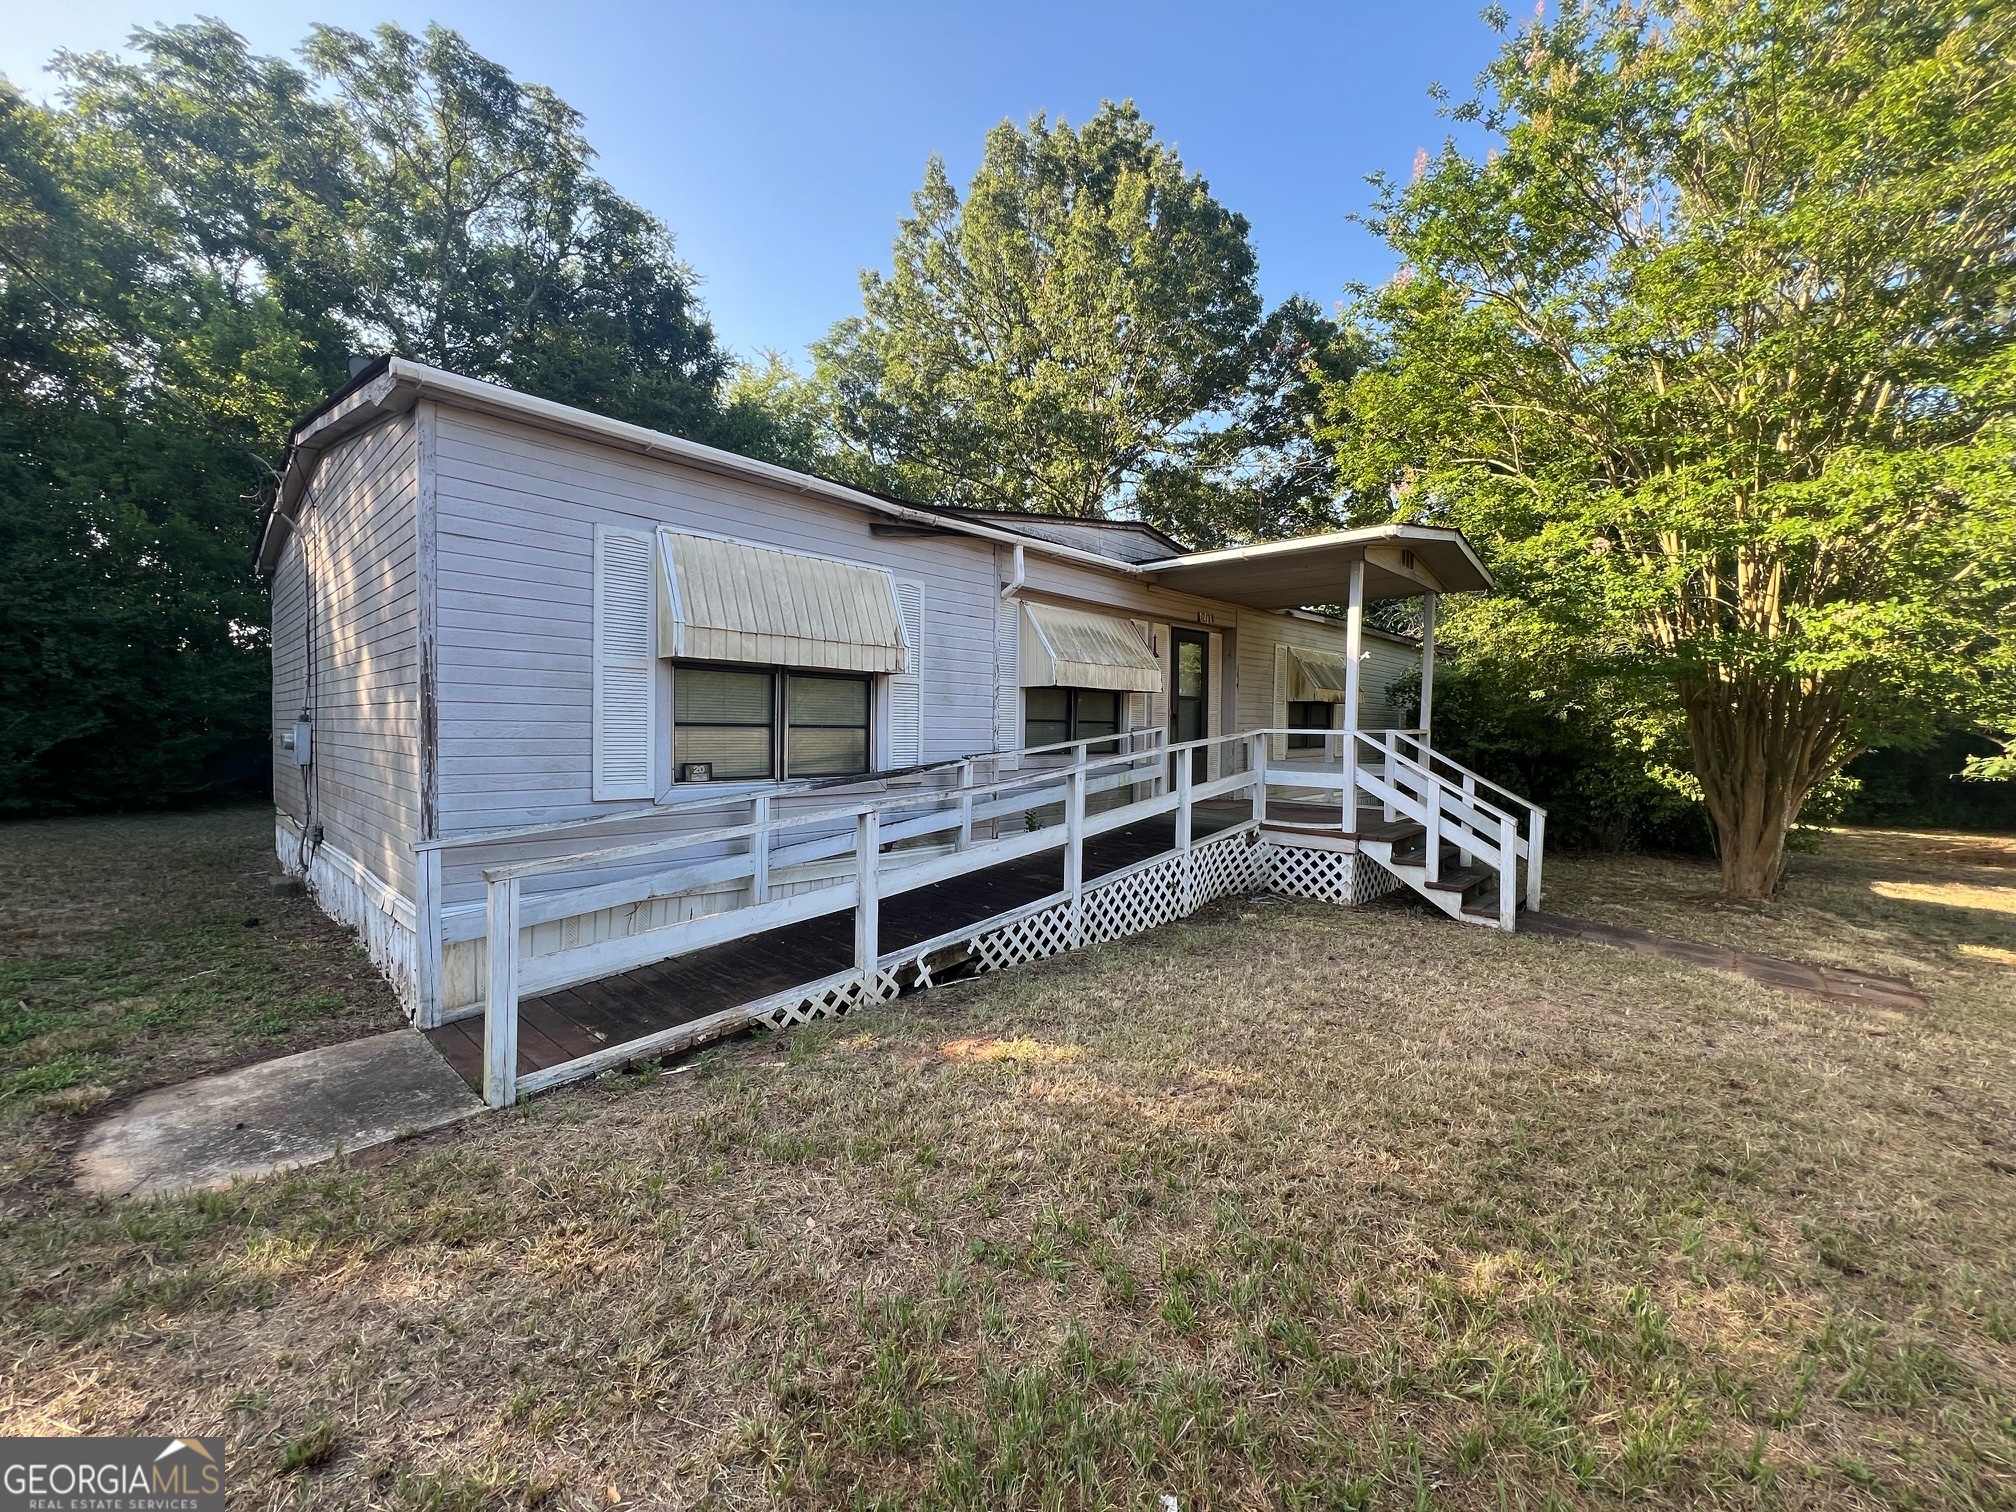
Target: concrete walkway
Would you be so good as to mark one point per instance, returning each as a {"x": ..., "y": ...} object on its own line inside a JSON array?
[{"x": 280, "y": 1113}]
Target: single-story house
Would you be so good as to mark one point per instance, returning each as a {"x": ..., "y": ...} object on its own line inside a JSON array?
[{"x": 650, "y": 693}]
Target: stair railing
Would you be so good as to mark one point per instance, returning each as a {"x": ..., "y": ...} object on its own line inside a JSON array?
[
  {"x": 1535, "y": 826},
  {"x": 1408, "y": 779}
]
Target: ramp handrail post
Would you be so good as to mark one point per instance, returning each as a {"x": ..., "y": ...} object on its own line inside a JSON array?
[
  {"x": 427, "y": 947},
  {"x": 1256, "y": 763},
  {"x": 1508, "y": 872},
  {"x": 965, "y": 806},
  {"x": 867, "y": 898},
  {"x": 759, "y": 852},
  {"x": 1074, "y": 850},
  {"x": 1536, "y": 839},
  {"x": 1432, "y": 796},
  {"x": 1184, "y": 829},
  {"x": 500, "y": 1010}
]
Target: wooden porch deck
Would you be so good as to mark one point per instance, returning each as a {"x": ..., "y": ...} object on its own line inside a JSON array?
[{"x": 562, "y": 1026}]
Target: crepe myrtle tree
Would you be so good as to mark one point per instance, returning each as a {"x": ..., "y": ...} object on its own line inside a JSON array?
[{"x": 1712, "y": 351}]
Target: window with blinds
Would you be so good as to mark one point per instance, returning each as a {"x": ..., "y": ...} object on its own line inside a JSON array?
[
  {"x": 1052, "y": 716},
  {"x": 825, "y": 726},
  {"x": 723, "y": 723},
  {"x": 733, "y": 724}
]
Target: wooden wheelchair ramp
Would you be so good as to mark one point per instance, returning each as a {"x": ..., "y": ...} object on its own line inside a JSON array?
[
  {"x": 841, "y": 899},
  {"x": 559, "y": 1027}
]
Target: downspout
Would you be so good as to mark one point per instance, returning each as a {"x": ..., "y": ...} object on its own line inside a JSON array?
[{"x": 1014, "y": 584}]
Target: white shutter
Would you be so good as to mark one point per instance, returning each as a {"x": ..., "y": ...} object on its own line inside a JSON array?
[
  {"x": 1008, "y": 676},
  {"x": 624, "y": 647},
  {"x": 906, "y": 688}
]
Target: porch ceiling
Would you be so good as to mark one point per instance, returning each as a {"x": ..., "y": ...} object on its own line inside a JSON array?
[{"x": 1401, "y": 561}]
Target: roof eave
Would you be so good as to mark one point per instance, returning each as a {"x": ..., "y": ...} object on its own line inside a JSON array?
[{"x": 408, "y": 381}]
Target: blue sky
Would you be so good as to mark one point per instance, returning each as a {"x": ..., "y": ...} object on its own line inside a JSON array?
[{"x": 781, "y": 141}]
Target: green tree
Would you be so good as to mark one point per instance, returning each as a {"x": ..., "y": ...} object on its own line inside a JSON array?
[
  {"x": 1713, "y": 351},
  {"x": 190, "y": 244},
  {"x": 132, "y": 391},
  {"x": 1083, "y": 333}
]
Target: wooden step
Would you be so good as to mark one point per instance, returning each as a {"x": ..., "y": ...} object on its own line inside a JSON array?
[
  {"x": 1396, "y": 833},
  {"x": 1461, "y": 879},
  {"x": 1485, "y": 906}
]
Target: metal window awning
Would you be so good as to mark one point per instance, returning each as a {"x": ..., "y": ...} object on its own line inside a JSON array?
[
  {"x": 1315, "y": 676},
  {"x": 735, "y": 601},
  {"x": 1068, "y": 648}
]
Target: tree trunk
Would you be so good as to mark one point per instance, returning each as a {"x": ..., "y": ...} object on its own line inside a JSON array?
[{"x": 1760, "y": 744}]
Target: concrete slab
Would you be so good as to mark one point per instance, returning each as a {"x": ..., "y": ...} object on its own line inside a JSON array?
[{"x": 280, "y": 1113}]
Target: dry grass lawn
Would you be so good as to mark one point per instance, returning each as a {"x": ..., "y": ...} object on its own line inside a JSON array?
[
  {"x": 140, "y": 951},
  {"x": 1283, "y": 1206}
]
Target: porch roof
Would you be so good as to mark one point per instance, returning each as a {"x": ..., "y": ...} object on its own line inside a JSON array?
[{"x": 1401, "y": 561}]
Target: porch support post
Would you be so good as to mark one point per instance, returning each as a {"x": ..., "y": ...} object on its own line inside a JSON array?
[
  {"x": 1354, "y": 651},
  {"x": 1428, "y": 601},
  {"x": 500, "y": 1010},
  {"x": 867, "y": 900}
]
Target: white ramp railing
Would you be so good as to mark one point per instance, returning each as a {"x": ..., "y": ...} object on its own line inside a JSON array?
[
  {"x": 889, "y": 839},
  {"x": 793, "y": 853}
]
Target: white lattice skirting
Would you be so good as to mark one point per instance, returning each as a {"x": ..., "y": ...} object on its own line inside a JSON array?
[
  {"x": 1132, "y": 902},
  {"x": 1329, "y": 876}
]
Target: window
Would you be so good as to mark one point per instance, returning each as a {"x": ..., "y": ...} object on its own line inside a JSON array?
[
  {"x": 1307, "y": 716},
  {"x": 1052, "y": 716},
  {"x": 723, "y": 719},
  {"x": 746, "y": 724},
  {"x": 826, "y": 726}
]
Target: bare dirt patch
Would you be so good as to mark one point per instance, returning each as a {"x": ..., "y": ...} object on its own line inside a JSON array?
[{"x": 1282, "y": 1206}]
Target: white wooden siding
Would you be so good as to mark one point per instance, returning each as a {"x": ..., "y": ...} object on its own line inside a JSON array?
[
  {"x": 517, "y": 510},
  {"x": 290, "y": 673},
  {"x": 356, "y": 549},
  {"x": 1387, "y": 662}
]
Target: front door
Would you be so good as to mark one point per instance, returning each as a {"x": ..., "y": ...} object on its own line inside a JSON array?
[{"x": 1190, "y": 695}]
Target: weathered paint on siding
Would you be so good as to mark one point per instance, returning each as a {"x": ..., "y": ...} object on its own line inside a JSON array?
[
  {"x": 354, "y": 554},
  {"x": 290, "y": 674}
]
